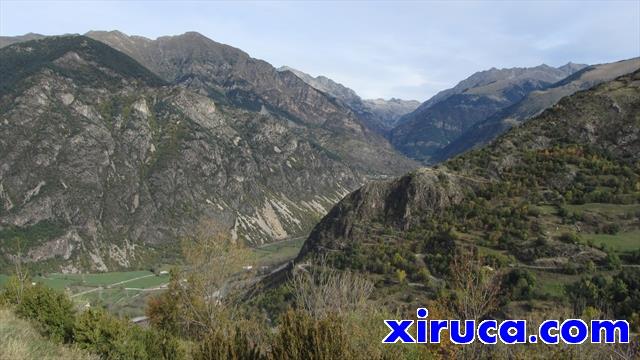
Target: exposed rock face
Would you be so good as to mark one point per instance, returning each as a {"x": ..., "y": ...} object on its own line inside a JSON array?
[
  {"x": 441, "y": 119},
  {"x": 378, "y": 114},
  {"x": 230, "y": 76},
  {"x": 104, "y": 165},
  {"x": 399, "y": 203},
  {"x": 533, "y": 104}
]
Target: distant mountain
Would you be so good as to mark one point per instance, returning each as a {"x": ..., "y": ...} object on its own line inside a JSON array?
[
  {"x": 105, "y": 164},
  {"x": 441, "y": 119},
  {"x": 390, "y": 111},
  {"x": 379, "y": 114},
  {"x": 8, "y": 40},
  {"x": 533, "y": 104}
]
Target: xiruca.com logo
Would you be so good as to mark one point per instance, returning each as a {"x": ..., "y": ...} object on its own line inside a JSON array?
[{"x": 570, "y": 331}]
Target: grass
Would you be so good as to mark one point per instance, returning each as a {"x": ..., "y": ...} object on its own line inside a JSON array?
[
  {"x": 148, "y": 282},
  {"x": 106, "y": 289},
  {"x": 552, "y": 283},
  {"x": 20, "y": 340},
  {"x": 125, "y": 293},
  {"x": 547, "y": 209},
  {"x": 97, "y": 279},
  {"x": 277, "y": 253},
  {"x": 621, "y": 242},
  {"x": 604, "y": 209}
]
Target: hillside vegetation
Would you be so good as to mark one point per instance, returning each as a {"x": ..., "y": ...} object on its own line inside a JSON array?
[
  {"x": 21, "y": 341},
  {"x": 553, "y": 198}
]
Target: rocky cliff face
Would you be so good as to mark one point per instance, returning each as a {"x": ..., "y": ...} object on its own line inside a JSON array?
[
  {"x": 400, "y": 203},
  {"x": 104, "y": 165},
  {"x": 379, "y": 115},
  {"x": 231, "y": 76},
  {"x": 533, "y": 104},
  {"x": 440, "y": 120}
]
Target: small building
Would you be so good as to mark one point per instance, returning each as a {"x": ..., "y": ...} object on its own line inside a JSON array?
[{"x": 141, "y": 320}]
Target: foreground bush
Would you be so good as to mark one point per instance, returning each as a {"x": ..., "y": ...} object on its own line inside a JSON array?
[
  {"x": 19, "y": 339},
  {"x": 113, "y": 338},
  {"x": 52, "y": 311},
  {"x": 228, "y": 345},
  {"x": 300, "y": 336}
]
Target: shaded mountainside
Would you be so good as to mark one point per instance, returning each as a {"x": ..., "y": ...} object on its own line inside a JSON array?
[
  {"x": 378, "y": 114},
  {"x": 230, "y": 76},
  {"x": 531, "y": 198},
  {"x": 104, "y": 165},
  {"x": 441, "y": 119},
  {"x": 533, "y": 104}
]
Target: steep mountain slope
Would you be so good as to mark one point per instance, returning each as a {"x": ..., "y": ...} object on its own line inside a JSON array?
[
  {"x": 448, "y": 114},
  {"x": 230, "y": 76},
  {"x": 529, "y": 199},
  {"x": 378, "y": 114},
  {"x": 103, "y": 165},
  {"x": 533, "y": 104}
]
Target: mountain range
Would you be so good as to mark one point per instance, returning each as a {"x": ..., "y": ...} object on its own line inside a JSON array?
[
  {"x": 114, "y": 145},
  {"x": 107, "y": 159},
  {"x": 441, "y": 119}
]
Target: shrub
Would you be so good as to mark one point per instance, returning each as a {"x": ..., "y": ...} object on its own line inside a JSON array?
[
  {"x": 569, "y": 238},
  {"x": 113, "y": 338},
  {"x": 302, "y": 337},
  {"x": 611, "y": 228},
  {"x": 230, "y": 345},
  {"x": 100, "y": 333},
  {"x": 519, "y": 283},
  {"x": 613, "y": 261},
  {"x": 53, "y": 311}
]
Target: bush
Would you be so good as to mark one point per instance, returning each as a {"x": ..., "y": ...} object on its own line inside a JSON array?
[
  {"x": 113, "y": 338},
  {"x": 302, "y": 337},
  {"x": 519, "y": 284},
  {"x": 53, "y": 311},
  {"x": 234, "y": 345},
  {"x": 611, "y": 228},
  {"x": 105, "y": 335},
  {"x": 612, "y": 261},
  {"x": 569, "y": 238}
]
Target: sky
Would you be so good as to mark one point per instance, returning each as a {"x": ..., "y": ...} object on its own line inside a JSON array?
[{"x": 408, "y": 50}]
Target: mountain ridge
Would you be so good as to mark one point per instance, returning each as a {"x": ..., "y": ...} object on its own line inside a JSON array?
[
  {"x": 379, "y": 114},
  {"x": 229, "y": 75},
  {"x": 533, "y": 104},
  {"x": 441, "y": 119}
]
